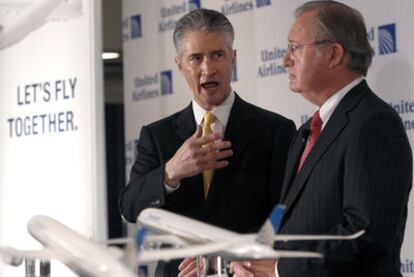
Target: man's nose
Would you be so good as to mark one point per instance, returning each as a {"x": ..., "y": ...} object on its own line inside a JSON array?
[
  {"x": 208, "y": 67},
  {"x": 287, "y": 59}
]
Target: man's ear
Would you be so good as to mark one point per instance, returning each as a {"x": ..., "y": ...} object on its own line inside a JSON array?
[
  {"x": 178, "y": 63},
  {"x": 234, "y": 57},
  {"x": 337, "y": 55}
]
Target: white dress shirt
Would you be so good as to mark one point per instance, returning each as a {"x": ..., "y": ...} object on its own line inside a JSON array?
[{"x": 327, "y": 108}]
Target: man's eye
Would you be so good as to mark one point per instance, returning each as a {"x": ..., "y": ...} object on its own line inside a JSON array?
[
  {"x": 218, "y": 55},
  {"x": 195, "y": 58}
]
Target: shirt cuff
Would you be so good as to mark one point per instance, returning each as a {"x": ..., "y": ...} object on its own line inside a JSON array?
[{"x": 170, "y": 190}]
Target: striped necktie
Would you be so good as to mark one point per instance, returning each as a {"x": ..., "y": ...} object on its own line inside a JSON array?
[{"x": 316, "y": 127}]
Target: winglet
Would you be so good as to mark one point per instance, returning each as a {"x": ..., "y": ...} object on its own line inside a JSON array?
[
  {"x": 143, "y": 271},
  {"x": 271, "y": 226},
  {"x": 140, "y": 236},
  {"x": 276, "y": 217}
]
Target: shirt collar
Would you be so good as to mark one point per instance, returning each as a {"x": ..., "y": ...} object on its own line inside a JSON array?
[
  {"x": 222, "y": 111},
  {"x": 327, "y": 109}
]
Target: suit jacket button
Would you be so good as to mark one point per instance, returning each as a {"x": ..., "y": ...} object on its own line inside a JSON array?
[{"x": 155, "y": 202}]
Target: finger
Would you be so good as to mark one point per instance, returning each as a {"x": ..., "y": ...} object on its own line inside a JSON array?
[
  {"x": 192, "y": 273},
  {"x": 209, "y": 138},
  {"x": 214, "y": 147},
  {"x": 198, "y": 132},
  {"x": 238, "y": 269},
  {"x": 231, "y": 267},
  {"x": 218, "y": 155},
  {"x": 187, "y": 269},
  {"x": 185, "y": 262},
  {"x": 209, "y": 160}
]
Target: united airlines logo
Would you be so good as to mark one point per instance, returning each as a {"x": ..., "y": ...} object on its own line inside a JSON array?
[
  {"x": 166, "y": 82},
  {"x": 405, "y": 108},
  {"x": 136, "y": 31},
  {"x": 131, "y": 151},
  {"x": 149, "y": 86},
  {"x": 193, "y": 5},
  {"x": 234, "y": 7},
  {"x": 271, "y": 62},
  {"x": 262, "y": 3},
  {"x": 383, "y": 39},
  {"x": 234, "y": 73},
  {"x": 386, "y": 39},
  {"x": 407, "y": 267},
  {"x": 171, "y": 14}
]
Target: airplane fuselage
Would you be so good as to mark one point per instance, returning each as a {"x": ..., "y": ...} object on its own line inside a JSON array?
[{"x": 74, "y": 250}]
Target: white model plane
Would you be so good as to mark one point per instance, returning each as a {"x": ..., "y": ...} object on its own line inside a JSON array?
[
  {"x": 83, "y": 256},
  {"x": 192, "y": 238},
  {"x": 18, "y": 18}
]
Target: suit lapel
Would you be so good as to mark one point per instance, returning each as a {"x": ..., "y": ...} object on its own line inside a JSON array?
[
  {"x": 184, "y": 127},
  {"x": 293, "y": 157},
  {"x": 333, "y": 128},
  {"x": 185, "y": 124},
  {"x": 238, "y": 132}
]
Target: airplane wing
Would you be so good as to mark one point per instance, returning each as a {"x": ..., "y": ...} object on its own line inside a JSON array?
[
  {"x": 217, "y": 249},
  {"x": 239, "y": 248},
  {"x": 168, "y": 254},
  {"x": 318, "y": 237},
  {"x": 18, "y": 20},
  {"x": 295, "y": 254},
  {"x": 150, "y": 239},
  {"x": 15, "y": 257}
]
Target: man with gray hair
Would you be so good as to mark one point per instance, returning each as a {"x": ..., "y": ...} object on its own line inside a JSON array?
[
  {"x": 220, "y": 160},
  {"x": 350, "y": 166}
]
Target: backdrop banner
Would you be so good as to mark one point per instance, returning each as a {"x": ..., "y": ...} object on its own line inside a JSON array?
[
  {"x": 154, "y": 88},
  {"x": 51, "y": 120}
]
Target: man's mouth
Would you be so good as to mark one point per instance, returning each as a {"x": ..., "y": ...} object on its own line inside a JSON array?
[{"x": 208, "y": 85}]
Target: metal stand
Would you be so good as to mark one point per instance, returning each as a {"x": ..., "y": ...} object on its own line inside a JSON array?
[
  {"x": 44, "y": 270},
  {"x": 30, "y": 268},
  {"x": 211, "y": 266}
]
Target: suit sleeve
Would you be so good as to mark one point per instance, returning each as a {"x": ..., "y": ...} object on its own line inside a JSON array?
[
  {"x": 146, "y": 185},
  {"x": 283, "y": 140},
  {"x": 377, "y": 173}
]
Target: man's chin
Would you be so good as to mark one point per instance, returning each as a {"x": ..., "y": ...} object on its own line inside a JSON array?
[{"x": 295, "y": 89}]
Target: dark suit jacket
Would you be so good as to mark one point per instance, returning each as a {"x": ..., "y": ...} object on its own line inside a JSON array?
[
  {"x": 241, "y": 195},
  {"x": 357, "y": 176}
]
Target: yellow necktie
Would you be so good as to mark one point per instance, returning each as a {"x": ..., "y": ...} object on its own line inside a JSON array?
[{"x": 209, "y": 118}]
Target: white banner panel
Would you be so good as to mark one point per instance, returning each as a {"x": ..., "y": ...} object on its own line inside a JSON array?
[
  {"x": 51, "y": 120},
  {"x": 261, "y": 38}
]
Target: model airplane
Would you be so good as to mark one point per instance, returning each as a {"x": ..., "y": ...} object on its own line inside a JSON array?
[
  {"x": 75, "y": 251},
  {"x": 19, "y": 18},
  {"x": 192, "y": 238}
]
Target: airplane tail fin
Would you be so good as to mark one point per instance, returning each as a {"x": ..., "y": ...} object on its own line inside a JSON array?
[
  {"x": 140, "y": 238},
  {"x": 271, "y": 226}
]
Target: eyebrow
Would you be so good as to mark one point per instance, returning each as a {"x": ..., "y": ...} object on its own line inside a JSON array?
[{"x": 192, "y": 55}]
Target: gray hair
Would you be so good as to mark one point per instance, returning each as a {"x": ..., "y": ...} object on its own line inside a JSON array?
[
  {"x": 338, "y": 23},
  {"x": 203, "y": 20}
]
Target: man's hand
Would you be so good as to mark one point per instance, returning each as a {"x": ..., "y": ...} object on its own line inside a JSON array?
[
  {"x": 192, "y": 158},
  {"x": 188, "y": 267},
  {"x": 257, "y": 268}
]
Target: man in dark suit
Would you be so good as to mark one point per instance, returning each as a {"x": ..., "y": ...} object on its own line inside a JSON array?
[
  {"x": 350, "y": 166},
  {"x": 244, "y": 156}
]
